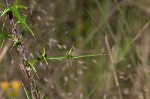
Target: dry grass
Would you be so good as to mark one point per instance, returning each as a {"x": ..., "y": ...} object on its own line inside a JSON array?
[{"x": 118, "y": 28}]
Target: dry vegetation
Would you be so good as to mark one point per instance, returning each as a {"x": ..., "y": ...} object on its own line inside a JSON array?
[{"x": 119, "y": 28}]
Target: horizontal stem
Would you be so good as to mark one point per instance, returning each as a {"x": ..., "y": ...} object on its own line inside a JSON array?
[{"x": 64, "y": 57}]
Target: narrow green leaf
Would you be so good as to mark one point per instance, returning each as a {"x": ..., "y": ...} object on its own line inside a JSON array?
[
  {"x": 22, "y": 20},
  {"x": 2, "y": 36},
  {"x": 32, "y": 66},
  {"x": 27, "y": 27},
  {"x": 27, "y": 93},
  {"x": 5, "y": 11},
  {"x": 45, "y": 60},
  {"x": 3, "y": 27},
  {"x": 21, "y": 7},
  {"x": 44, "y": 54},
  {"x": 35, "y": 60}
]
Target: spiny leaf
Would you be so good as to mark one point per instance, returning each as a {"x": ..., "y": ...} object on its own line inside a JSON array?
[{"x": 22, "y": 20}]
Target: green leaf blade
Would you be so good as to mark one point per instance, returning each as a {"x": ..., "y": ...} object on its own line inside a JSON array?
[{"x": 5, "y": 11}]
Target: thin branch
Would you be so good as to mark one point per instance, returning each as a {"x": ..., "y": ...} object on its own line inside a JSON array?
[{"x": 113, "y": 68}]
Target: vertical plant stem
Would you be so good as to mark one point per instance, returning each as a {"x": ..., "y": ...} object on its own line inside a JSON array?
[
  {"x": 20, "y": 49},
  {"x": 113, "y": 68}
]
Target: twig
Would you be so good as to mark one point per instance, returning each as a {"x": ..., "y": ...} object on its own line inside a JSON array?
[{"x": 113, "y": 68}]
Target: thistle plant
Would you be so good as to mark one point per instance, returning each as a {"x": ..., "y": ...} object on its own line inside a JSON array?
[{"x": 15, "y": 17}]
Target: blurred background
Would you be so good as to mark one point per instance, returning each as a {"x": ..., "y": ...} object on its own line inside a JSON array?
[{"x": 120, "y": 28}]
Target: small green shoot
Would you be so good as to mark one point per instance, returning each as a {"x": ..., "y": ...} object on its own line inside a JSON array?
[
  {"x": 19, "y": 19},
  {"x": 44, "y": 54},
  {"x": 70, "y": 54},
  {"x": 70, "y": 51}
]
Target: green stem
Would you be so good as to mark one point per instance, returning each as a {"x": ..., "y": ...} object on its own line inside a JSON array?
[{"x": 63, "y": 57}]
